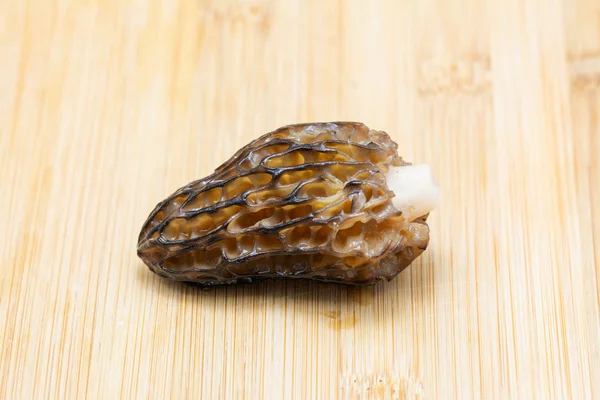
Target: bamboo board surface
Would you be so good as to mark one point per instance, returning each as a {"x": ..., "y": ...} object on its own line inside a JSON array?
[{"x": 106, "y": 107}]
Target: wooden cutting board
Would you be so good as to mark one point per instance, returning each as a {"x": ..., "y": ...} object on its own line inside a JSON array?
[{"x": 106, "y": 107}]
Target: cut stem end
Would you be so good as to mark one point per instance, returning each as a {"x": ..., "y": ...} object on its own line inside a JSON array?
[{"x": 416, "y": 193}]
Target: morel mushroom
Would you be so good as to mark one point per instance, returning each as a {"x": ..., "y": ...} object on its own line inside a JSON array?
[{"x": 325, "y": 201}]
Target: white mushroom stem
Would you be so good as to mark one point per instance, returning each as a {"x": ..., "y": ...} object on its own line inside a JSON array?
[{"x": 415, "y": 191}]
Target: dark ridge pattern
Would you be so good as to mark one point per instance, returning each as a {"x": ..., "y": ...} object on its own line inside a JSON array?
[{"x": 304, "y": 201}]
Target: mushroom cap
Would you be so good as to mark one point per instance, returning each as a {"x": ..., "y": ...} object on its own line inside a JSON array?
[{"x": 304, "y": 201}]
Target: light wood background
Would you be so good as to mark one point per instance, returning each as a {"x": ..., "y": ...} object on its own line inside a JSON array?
[{"x": 106, "y": 107}]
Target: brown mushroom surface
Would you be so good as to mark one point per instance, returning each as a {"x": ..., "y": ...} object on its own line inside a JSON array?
[{"x": 308, "y": 201}]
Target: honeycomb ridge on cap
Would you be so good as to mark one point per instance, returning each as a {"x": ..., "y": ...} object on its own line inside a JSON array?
[{"x": 304, "y": 201}]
